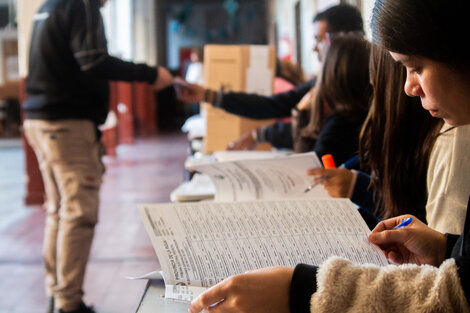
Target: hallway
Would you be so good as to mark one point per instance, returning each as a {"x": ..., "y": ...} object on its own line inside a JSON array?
[{"x": 145, "y": 172}]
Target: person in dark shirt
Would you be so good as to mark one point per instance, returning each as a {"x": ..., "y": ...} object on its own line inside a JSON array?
[
  {"x": 67, "y": 99},
  {"x": 338, "y": 18}
]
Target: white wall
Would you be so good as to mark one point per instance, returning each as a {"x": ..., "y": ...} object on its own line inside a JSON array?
[
  {"x": 323, "y": 4},
  {"x": 285, "y": 20},
  {"x": 252, "y": 31},
  {"x": 367, "y": 6},
  {"x": 131, "y": 30},
  {"x": 26, "y": 11},
  {"x": 118, "y": 19},
  {"x": 145, "y": 39}
]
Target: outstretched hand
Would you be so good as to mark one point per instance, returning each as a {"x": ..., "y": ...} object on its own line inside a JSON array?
[
  {"x": 261, "y": 291},
  {"x": 188, "y": 92},
  {"x": 244, "y": 142},
  {"x": 164, "y": 79},
  {"x": 415, "y": 243}
]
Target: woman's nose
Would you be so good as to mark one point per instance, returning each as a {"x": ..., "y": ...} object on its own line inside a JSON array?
[{"x": 412, "y": 87}]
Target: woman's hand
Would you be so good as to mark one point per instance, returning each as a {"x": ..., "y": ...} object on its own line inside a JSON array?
[
  {"x": 261, "y": 291},
  {"x": 415, "y": 243},
  {"x": 337, "y": 181},
  {"x": 247, "y": 141},
  {"x": 164, "y": 79}
]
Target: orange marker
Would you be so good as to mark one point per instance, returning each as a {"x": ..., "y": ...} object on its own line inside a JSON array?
[{"x": 328, "y": 161}]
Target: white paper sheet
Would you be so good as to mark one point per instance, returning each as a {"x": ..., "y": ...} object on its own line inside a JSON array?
[
  {"x": 200, "y": 187},
  {"x": 200, "y": 244},
  {"x": 274, "y": 178}
]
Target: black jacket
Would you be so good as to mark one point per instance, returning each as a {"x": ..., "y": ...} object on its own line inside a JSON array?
[
  {"x": 261, "y": 107},
  {"x": 69, "y": 65}
]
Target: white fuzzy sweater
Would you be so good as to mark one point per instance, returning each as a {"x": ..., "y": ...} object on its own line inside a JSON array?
[{"x": 344, "y": 287}]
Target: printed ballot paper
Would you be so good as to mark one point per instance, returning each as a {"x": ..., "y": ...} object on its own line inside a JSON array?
[
  {"x": 269, "y": 178},
  {"x": 200, "y": 244}
]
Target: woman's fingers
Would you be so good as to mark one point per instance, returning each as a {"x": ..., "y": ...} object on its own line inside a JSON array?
[
  {"x": 210, "y": 297},
  {"x": 389, "y": 237}
]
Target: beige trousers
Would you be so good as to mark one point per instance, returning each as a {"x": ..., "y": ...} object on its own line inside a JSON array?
[{"x": 69, "y": 156}]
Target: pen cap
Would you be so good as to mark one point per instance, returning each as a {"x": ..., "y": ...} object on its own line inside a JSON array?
[{"x": 328, "y": 161}]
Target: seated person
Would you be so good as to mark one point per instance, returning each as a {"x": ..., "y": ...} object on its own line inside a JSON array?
[
  {"x": 338, "y": 18},
  {"x": 415, "y": 167},
  {"x": 340, "y": 101}
]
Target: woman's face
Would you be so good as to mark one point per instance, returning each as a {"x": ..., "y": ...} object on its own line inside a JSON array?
[{"x": 444, "y": 92}]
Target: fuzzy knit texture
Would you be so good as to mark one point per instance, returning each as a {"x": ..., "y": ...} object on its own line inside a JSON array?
[{"x": 345, "y": 287}]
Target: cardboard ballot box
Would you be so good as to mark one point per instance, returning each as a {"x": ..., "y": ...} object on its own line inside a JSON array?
[{"x": 239, "y": 68}]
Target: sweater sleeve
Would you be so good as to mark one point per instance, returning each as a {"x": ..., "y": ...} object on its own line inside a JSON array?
[
  {"x": 279, "y": 135},
  {"x": 344, "y": 287},
  {"x": 363, "y": 194},
  {"x": 261, "y": 107}
]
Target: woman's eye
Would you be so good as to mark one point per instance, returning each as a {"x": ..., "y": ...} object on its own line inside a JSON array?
[{"x": 414, "y": 70}]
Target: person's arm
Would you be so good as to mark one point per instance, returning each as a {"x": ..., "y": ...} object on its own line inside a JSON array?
[
  {"x": 461, "y": 253},
  {"x": 362, "y": 286},
  {"x": 463, "y": 265},
  {"x": 264, "y": 290},
  {"x": 244, "y": 104},
  {"x": 363, "y": 193},
  {"x": 345, "y": 287},
  {"x": 300, "y": 119},
  {"x": 303, "y": 286},
  {"x": 261, "y": 107},
  {"x": 279, "y": 135}
]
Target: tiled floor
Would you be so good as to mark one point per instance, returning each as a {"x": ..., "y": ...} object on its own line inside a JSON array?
[{"x": 144, "y": 172}]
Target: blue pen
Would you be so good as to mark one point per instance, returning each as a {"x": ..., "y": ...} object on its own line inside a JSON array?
[{"x": 404, "y": 223}]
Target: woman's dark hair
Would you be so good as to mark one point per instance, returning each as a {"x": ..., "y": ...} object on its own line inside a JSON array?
[
  {"x": 396, "y": 141},
  {"x": 343, "y": 85},
  {"x": 434, "y": 29}
]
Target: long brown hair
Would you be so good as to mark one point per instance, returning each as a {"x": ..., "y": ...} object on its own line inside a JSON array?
[
  {"x": 396, "y": 140},
  {"x": 343, "y": 85}
]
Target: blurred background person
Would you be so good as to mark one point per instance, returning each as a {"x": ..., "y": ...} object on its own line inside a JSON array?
[{"x": 67, "y": 98}]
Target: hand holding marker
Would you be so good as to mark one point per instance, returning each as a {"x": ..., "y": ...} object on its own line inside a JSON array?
[{"x": 328, "y": 162}]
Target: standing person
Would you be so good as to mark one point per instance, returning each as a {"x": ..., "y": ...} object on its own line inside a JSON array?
[
  {"x": 67, "y": 98},
  {"x": 433, "y": 275},
  {"x": 338, "y": 18}
]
